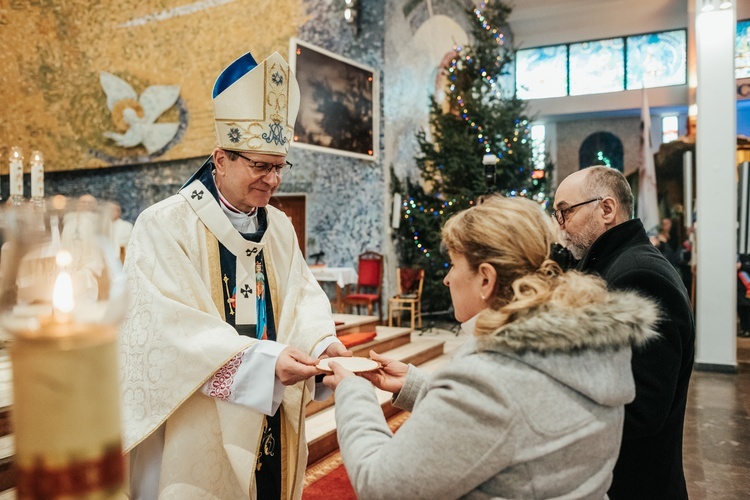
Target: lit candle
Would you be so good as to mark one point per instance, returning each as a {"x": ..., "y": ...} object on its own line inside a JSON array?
[
  {"x": 37, "y": 175},
  {"x": 66, "y": 409},
  {"x": 16, "y": 171}
]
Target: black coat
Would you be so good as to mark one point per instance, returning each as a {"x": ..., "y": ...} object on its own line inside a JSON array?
[{"x": 650, "y": 461}]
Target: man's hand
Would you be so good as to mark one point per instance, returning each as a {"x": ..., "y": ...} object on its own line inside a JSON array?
[
  {"x": 294, "y": 365},
  {"x": 339, "y": 374},
  {"x": 336, "y": 349},
  {"x": 390, "y": 377}
]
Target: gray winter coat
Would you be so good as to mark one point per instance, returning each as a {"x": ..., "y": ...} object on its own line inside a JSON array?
[{"x": 534, "y": 411}]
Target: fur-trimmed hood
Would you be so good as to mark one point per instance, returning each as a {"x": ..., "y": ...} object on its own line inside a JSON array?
[
  {"x": 586, "y": 347},
  {"x": 624, "y": 319}
]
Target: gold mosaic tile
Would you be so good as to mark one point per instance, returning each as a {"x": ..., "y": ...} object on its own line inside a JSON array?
[{"x": 53, "y": 52}]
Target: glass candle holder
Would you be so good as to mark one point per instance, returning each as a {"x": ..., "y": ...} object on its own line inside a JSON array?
[{"x": 62, "y": 297}]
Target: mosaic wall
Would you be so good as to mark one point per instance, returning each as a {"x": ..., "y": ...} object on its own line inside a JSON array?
[
  {"x": 345, "y": 196},
  {"x": 96, "y": 84},
  {"x": 420, "y": 38}
]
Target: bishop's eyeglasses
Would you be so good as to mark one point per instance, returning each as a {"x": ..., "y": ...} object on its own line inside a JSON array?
[
  {"x": 262, "y": 168},
  {"x": 561, "y": 213}
]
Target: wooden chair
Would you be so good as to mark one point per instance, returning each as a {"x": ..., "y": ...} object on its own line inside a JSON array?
[
  {"x": 368, "y": 290},
  {"x": 409, "y": 297}
]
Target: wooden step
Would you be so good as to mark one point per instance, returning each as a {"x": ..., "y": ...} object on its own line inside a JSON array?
[
  {"x": 320, "y": 428},
  {"x": 354, "y": 323},
  {"x": 387, "y": 338}
]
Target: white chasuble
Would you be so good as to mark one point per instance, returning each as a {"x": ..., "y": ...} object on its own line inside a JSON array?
[{"x": 174, "y": 339}]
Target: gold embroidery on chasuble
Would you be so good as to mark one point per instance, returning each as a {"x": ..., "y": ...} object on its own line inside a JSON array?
[
  {"x": 288, "y": 454},
  {"x": 289, "y": 435},
  {"x": 214, "y": 271},
  {"x": 267, "y": 445},
  {"x": 231, "y": 299},
  {"x": 274, "y": 289}
]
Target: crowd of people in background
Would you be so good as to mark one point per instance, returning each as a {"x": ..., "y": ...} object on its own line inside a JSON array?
[{"x": 678, "y": 252}]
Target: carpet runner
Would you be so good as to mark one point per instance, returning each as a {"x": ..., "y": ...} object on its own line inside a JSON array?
[{"x": 327, "y": 478}]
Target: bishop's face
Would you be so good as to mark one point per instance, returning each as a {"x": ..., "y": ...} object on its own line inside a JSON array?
[{"x": 247, "y": 182}]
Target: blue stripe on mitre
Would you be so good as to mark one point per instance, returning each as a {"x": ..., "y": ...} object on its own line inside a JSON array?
[{"x": 234, "y": 72}]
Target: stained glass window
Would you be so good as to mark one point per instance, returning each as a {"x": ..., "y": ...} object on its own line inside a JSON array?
[
  {"x": 657, "y": 59},
  {"x": 742, "y": 50},
  {"x": 597, "y": 67},
  {"x": 542, "y": 72}
]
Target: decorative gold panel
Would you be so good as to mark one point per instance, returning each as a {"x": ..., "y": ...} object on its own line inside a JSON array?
[{"x": 158, "y": 60}]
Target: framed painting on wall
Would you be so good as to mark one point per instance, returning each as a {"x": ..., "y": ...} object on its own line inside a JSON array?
[{"x": 339, "y": 103}]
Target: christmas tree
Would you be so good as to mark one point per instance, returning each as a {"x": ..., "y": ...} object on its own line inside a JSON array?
[{"x": 479, "y": 142}]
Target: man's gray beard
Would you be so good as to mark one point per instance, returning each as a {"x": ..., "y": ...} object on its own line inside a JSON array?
[
  {"x": 580, "y": 243},
  {"x": 576, "y": 248}
]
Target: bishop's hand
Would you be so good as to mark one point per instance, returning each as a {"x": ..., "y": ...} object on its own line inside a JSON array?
[
  {"x": 336, "y": 349},
  {"x": 293, "y": 365}
]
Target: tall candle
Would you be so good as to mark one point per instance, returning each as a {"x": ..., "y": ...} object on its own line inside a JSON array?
[
  {"x": 37, "y": 175},
  {"x": 66, "y": 408},
  {"x": 16, "y": 171},
  {"x": 66, "y": 411},
  {"x": 7, "y": 446}
]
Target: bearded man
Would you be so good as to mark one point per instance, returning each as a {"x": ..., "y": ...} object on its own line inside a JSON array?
[{"x": 594, "y": 209}]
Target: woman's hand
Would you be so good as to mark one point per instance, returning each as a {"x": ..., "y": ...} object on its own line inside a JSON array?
[
  {"x": 391, "y": 375},
  {"x": 339, "y": 374}
]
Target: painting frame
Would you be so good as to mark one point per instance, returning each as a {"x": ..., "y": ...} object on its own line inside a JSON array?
[{"x": 339, "y": 103}]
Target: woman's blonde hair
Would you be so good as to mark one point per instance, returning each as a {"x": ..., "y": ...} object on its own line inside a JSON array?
[{"x": 514, "y": 235}]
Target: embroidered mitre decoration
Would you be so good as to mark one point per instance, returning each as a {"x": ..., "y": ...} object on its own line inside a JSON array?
[{"x": 255, "y": 105}]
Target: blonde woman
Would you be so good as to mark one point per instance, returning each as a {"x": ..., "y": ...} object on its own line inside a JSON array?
[{"x": 532, "y": 405}]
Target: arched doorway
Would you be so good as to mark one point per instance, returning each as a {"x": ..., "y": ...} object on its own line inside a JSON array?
[{"x": 601, "y": 148}]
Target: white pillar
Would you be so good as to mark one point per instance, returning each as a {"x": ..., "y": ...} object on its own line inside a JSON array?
[{"x": 716, "y": 189}]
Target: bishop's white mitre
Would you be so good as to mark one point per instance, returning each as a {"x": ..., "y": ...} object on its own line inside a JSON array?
[{"x": 255, "y": 105}]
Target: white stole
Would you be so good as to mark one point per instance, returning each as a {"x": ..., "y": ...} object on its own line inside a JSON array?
[{"x": 245, "y": 251}]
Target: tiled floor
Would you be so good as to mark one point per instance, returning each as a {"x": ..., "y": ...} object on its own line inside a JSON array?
[
  {"x": 717, "y": 432},
  {"x": 717, "y": 426}
]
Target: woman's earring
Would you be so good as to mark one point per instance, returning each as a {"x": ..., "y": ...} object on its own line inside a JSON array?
[{"x": 484, "y": 299}]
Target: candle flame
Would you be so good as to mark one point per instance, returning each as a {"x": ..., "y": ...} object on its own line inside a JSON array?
[
  {"x": 63, "y": 258},
  {"x": 16, "y": 153},
  {"x": 62, "y": 295}
]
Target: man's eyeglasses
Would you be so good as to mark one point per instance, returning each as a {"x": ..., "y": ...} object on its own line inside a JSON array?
[
  {"x": 561, "y": 213},
  {"x": 261, "y": 168}
]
